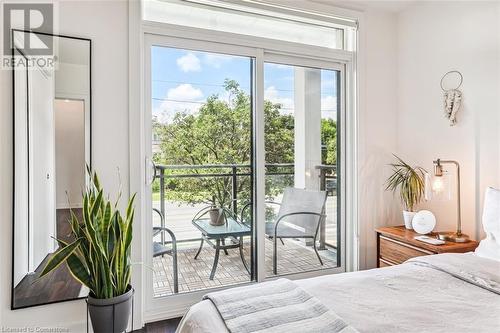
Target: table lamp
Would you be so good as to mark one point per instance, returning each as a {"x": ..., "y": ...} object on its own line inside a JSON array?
[{"x": 439, "y": 185}]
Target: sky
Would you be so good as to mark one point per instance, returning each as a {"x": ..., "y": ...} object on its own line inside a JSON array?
[{"x": 183, "y": 79}]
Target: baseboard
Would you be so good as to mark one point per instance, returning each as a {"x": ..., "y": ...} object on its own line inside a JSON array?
[{"x": 165, "y": 313}]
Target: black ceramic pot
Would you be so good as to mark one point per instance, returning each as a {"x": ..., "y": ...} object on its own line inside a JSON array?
[{"x": 111, "y": 315}]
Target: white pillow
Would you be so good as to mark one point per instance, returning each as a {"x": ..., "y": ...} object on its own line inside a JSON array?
[{"x": 490, "y": 246}]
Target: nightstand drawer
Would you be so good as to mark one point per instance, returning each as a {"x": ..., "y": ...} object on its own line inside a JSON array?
[
  {"x": 384, "y": 263},
  {"x": 397, "y": 252},
  {"x": 397, "y": 244}
]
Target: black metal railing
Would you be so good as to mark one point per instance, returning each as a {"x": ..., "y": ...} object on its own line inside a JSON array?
[
  {"x": 233, "y": 172},
  {"x": 327, "y": 180}
]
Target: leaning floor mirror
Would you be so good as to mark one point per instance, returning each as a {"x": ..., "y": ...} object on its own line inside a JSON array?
[{"x": 52, "y": 139}]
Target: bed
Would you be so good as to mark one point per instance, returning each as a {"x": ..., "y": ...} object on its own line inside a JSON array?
[{"x": 438, "y": 293}]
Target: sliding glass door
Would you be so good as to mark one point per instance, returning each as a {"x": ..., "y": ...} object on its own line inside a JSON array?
[
  {"x": 202, "y": 182},
  {"x": 302, "y": 107},
  {"x": 235, "y": 138}
]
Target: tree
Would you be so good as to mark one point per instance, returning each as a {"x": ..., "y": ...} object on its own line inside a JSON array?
[
  {"x": 328, "y": 141},
  {"x": 219, "y": 134}
]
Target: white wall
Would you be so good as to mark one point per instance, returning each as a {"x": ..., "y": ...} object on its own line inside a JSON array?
[
  {"x": 22, "y": 193},
  {"x": 66, "y": 84},
  {"x": 430, "y": 43},
  {"x": 71, "y": 107},
  {"x": 106, "y": 23},
  {"x": 377, "y": 128},
  {"x": 70, "y": 152},
  {"x": 42, "y": 220},
  {"x": 72, "y": 82}
]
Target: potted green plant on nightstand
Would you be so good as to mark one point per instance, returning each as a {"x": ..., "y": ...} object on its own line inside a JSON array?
[
  {"x": 99, "y": 257},
  {"x": 411, "y": 185}
]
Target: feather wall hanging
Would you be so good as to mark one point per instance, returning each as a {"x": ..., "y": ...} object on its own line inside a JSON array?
[{"x": 452, "y": 98}]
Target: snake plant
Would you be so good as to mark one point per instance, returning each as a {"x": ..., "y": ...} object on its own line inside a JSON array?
[
  {"x": 99, "y": 255},
  {"x": 410, "y": 182}
]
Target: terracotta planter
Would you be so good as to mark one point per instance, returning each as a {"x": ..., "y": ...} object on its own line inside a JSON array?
[
  {"x": 217, "y": 216},
  {"x": 110, "y": 315}
]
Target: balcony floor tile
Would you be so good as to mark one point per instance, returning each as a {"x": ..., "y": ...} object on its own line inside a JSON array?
[{"x": 293, "y": 257}]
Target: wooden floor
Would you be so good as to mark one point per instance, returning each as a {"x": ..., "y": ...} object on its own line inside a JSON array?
[
  {"x": 165, "y": 326},
  {"x": 58, "y": 285}
]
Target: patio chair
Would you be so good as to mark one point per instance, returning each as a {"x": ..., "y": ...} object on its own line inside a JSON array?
[
  {"x": 159, "y": 248},
  {"x": 300, "y": 216},
  {"x": 245, "y": 214}
]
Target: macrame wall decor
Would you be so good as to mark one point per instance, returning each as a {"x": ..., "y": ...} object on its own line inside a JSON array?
[{"x": 452, "y": 97}]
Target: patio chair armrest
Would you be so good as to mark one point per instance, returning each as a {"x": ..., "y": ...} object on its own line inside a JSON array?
[
  {"x": 162, "y": 218},
  {"x": 201, "y": 213},
  {"x": 249, "y": 204},
  {"x": 230, "y": 213},
  {"x": 242, "y": 211},
  {"x": 170, "y": 232},
  {"x": 297, "y": 213},
  {"x": 158, "y": 211}
]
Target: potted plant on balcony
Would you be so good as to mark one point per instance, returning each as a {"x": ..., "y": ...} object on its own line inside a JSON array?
[
  {"x": 410, "y": 182},
  {"x": 217, "y": 215},
  {"x": 99, "y": 257}
]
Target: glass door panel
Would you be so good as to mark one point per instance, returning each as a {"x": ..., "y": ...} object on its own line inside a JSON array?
[
  {"x": 302, "y": 111},
  {"x": 202, "y": 111}
]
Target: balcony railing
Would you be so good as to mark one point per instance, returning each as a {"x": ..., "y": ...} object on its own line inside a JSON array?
[
  {"x": 233, "y": 173},
  {"x": 327, "y": 179}
]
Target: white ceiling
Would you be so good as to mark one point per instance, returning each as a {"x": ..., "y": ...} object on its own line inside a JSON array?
[{"x": 388, "y": 6}]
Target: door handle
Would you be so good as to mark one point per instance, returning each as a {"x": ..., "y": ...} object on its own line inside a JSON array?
[
  {"x": 154, "y": 173},
  {"x": 149, "y": 180}
]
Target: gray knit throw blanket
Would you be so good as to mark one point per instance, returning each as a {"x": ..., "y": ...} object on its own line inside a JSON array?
[{"x": 278, "y": 306}]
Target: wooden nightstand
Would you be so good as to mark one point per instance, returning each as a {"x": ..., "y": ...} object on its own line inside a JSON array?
[{"x": 395, "y": 245}]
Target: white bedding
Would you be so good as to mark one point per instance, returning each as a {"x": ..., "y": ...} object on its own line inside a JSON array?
[{"x": 404, "y": 298}]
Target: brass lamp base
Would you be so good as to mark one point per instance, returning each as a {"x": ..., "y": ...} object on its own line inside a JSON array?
[{"x": 453, "y": 237}]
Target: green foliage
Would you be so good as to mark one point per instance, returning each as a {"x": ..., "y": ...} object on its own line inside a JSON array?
[
  {"x": 99, "y": 256},
  {"x": 410, "y": 182},
  {"x": 217, "y": 134},
  {"x": 220, "y": 134},
  {"x": 279, "y": 145},
  {"x": 329, "y": 141}
]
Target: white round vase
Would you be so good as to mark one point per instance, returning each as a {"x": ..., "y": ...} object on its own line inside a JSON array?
[{"x": 408, "y": 218}]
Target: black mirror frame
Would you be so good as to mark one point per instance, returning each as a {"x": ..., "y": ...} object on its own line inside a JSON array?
[{"x": 12, "y": 305}]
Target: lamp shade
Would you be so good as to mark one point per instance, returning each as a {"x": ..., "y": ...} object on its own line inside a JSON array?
[{"x": 438, "y": 188}]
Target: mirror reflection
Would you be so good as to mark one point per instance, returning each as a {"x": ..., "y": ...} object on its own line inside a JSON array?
[{"x": 52, "y": 146}]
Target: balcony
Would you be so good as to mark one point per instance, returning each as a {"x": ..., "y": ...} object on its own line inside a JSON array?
[{"x": 294, "y": 255}]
